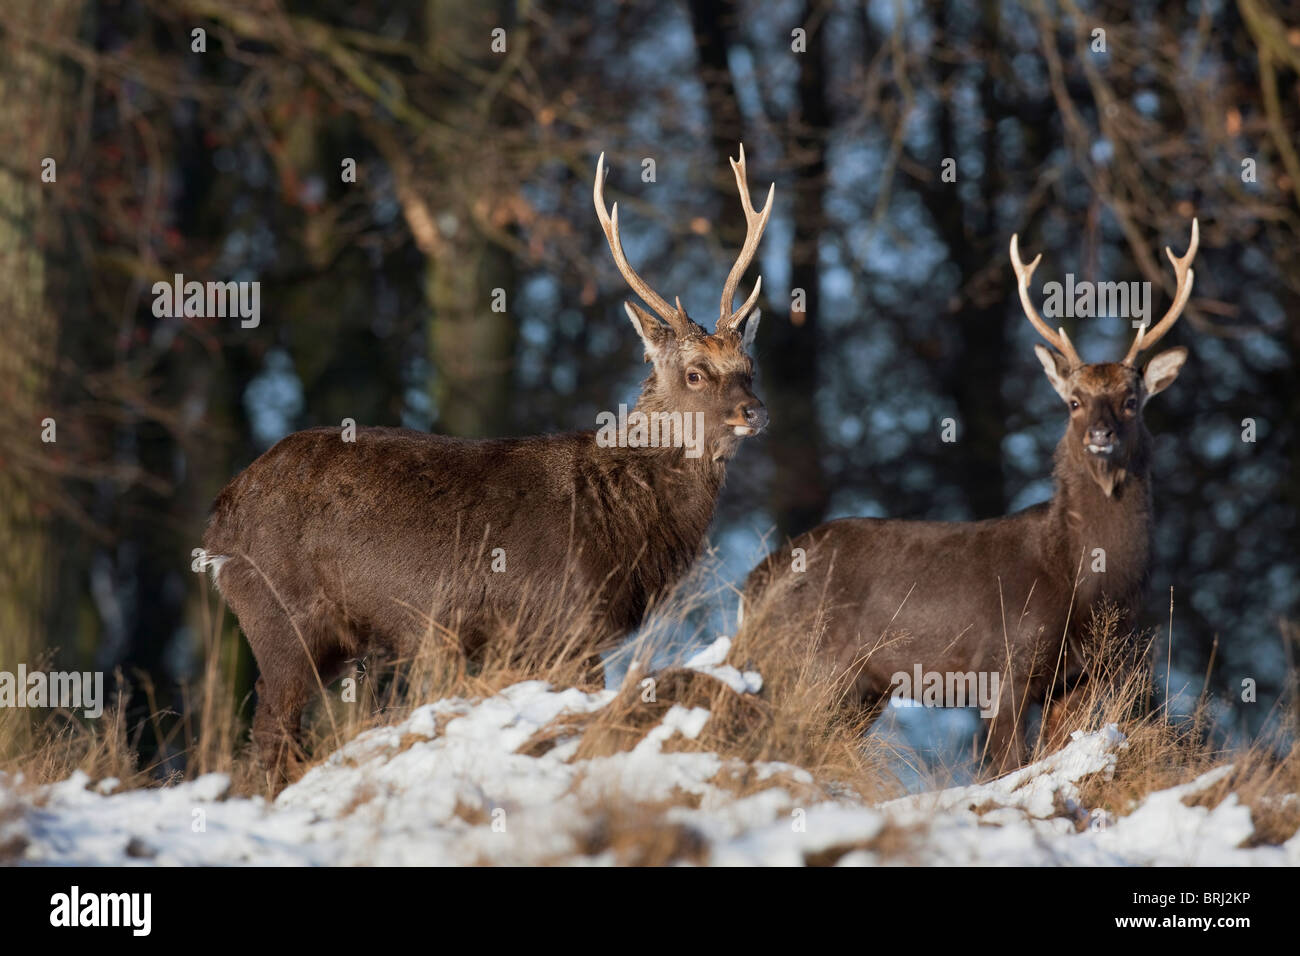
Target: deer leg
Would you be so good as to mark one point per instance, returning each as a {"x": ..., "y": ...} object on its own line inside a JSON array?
[
  {"x": 287, "y": 670},
  {"x": 1006, "y": 734},
  {"x": 864, "y": 703},
  {"x": 1006, "y": 745},
  {"x": 277, "y": 726},
  {"x": 870, "y": 707},
  {"x": 1063, "y": 715},
  {"x": 288, "y": 680}
]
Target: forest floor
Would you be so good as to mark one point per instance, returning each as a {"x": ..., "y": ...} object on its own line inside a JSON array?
[{"x": 519, "y": 777}]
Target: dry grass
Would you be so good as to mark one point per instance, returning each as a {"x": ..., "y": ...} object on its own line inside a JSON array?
[
  {"x": 1161, "y": 752},
  {"x": 1269, "y": 785},
  {"x": 809, "y": 721},
  {"x": 894, "y": 842},
  {"x": 799, "y": 718},
  {"x": 1164, "y": 752},
  {"x": 638, "y": 834},
  {"x": 203, "y": 736},
  {"x": 209, "y": 733}
]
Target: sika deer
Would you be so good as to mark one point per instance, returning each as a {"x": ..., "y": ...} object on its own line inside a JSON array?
[
  {"x": 1010, "y": 596},
  {"x": 325, "y": 548}
]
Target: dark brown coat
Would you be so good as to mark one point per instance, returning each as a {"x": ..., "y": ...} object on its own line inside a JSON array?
[
  {"x": 326, "y": 548},
  {"x": 1012, "y": 595}
]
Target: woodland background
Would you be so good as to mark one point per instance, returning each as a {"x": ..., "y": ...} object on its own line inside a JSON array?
[{"x": 474, "y": 173}]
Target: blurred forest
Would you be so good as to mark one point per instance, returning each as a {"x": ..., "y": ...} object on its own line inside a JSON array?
[{"x": 889, "y": 302}]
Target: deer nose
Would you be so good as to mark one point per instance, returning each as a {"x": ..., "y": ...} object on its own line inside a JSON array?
[
  {"x": 1101, "y": 435},
  {"x": 755, "y": 416}
]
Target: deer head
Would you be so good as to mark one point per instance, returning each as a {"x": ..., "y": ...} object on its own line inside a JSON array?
[
  {"x": 694, "y": 371},
  {"x": 1106, "y": 434}
]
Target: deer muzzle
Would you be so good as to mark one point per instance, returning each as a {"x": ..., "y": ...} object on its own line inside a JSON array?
[
  {"x": 1100, "y": 440},
  {"x": 749, "y": 419}
]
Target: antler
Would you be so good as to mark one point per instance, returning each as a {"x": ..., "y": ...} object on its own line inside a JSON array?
[
  {"x": 1058, "y": 339},
  {"x": 676, "y": 318},
  {"x": 1182, "y": 293},
  {"x": 755, "y": 223}
]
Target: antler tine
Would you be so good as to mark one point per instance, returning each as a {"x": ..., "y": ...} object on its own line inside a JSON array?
[
  {"x": 609, "y": 222},
  {"x": 755, "y": 223},
  {"x": 1186, "y": 276},
  {"x": 1058, "y": 339}
]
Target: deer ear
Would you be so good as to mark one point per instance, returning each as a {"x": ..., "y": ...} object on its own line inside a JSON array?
[
  {"x": 1162, "y": 370},
  {"x": 750, "y": 329},
  {"x": 1057, "y": 368},
  {"x": 654, "y": 334}
]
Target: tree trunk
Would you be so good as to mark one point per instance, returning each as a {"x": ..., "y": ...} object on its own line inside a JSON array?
[
  {"x": 787, "y": 342},
  {"x": 976, "y": 361},
  {"x": 36, "y": 98},
  {"x": 799, "y": 494},
  {"x": 471, "y": 345}
]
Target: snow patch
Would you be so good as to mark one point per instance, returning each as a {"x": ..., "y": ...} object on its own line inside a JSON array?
[
  {"x": 448, "y": 785},
  {"x": 711, "y": 661}
]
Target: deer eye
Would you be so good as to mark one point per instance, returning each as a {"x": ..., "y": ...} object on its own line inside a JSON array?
[
  {"x": 693, "y": 377},
  {"x": 1130, "y": 404},
  {"x": 1074, "y": 404}
]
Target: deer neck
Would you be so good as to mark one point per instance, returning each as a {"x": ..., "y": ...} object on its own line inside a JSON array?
[
  {"x": 666, "y": 484},
  {"x": 1102, "y": 517},
  {"x": 679, "y": 489},
  {"x": 652, "y": 510}
]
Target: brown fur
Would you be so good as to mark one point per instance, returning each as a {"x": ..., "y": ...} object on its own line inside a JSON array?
[
  {"x": 1011, "y": 595},
  {"x": 332, "y": 547}
]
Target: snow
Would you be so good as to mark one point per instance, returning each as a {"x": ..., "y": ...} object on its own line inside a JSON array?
[
  {"x": 449, "y": 785},
  {"x": 710, "y": 661}
]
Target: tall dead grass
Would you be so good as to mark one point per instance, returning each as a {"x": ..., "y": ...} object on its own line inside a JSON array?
[
  {"x": 1166, "y": 750},
  {"x": 799, "y": 718}
]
